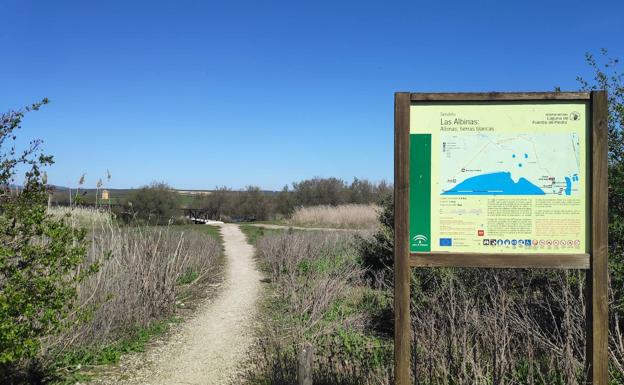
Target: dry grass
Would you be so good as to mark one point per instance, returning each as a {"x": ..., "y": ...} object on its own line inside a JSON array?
[
  {"x": 312, "y": 271},
  {"x": 354, "y": 216},
  {"x": 82, "y": 216},
  {"x": 469, "y": 326},
  {"x": 143, "y": 273},
  {"x": 316, "y": 297},
  {"x": 510, "y": 327},
  {"x": 479, "y": 326}
]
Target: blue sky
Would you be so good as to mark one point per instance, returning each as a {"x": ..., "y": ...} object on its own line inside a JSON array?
[{"x": 201, "y": 93}]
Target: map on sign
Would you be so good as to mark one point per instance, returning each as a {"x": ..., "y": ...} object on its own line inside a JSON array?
[
  {"x": 510, "y": 164},
  {"x": 498, "y": 178}
]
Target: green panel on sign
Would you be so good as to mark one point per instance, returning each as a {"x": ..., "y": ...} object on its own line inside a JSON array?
[{"x": 420, "y": 192}]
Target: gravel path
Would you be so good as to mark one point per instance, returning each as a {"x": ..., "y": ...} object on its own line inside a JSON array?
[{"x": 207, "y": 349}]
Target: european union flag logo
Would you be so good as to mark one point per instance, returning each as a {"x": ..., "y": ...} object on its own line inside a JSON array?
[{"x": 446, "y": 241}]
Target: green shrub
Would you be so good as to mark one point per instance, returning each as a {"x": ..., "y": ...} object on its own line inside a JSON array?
[
  {"x": 157, "y": 203},
  {"x": 606, "y": 77},
  {"x": 377, "y": 252},
  {"x": 39, "y": 254},
  {"x": 253, "y": 204}
]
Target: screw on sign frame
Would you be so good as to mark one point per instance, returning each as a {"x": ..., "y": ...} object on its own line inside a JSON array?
[{"x": 594, "y": 261}]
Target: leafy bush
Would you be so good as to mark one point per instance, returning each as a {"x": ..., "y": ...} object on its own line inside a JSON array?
[
  {"x": 334, "y": 191},
  {"x": 218, "y": 203},
  {"x": 608, "y": 77},
  {"x": 377, "y": 252},
  {"x": 285, "y": 202},
  {"x": 253, "y": 204},
  {"x": 39, "y": 254},
  {"x": 320, "y": 191}
]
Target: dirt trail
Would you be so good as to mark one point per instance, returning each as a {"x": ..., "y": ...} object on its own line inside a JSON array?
[{"x": 207, "y": 349}]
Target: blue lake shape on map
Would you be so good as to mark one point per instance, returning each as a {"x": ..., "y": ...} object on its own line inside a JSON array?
[
  {"x": 498, "y": 183},
  {"x": 568, "y": 189}
]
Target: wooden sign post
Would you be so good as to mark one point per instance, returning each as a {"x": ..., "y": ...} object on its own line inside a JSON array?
[{"x": 502, "y": 180}]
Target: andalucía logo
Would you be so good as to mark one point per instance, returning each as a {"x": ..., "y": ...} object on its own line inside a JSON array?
[{"x": 420, "y": 240}]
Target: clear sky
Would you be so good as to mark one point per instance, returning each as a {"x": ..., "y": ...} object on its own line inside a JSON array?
[{"x": 206, "y": 93}]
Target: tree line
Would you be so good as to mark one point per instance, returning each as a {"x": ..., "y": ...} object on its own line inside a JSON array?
[{"x": 158, "y": 202}]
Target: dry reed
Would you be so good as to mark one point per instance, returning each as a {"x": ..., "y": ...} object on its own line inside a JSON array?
[
  {"x": 138, "y": 282},
  {"x": 317, "y": 285},
  {"x": 343, "y": 216},
  {"x": 498, "y": 327},
  {"x": 469, "y": 326},
  {"x": 312, "y": 271},
  {"x": 82, "y": 216}
]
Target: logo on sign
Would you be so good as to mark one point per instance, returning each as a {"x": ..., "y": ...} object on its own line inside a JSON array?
[
  {"x": 480, "y": 233},
  {"x": 420, "y": 240}
]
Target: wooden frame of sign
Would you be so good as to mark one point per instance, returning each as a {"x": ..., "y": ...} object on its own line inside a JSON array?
[{"x": 593, "y": 259}]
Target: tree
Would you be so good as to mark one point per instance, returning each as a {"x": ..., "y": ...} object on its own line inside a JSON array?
[
  {"x": 218, "y": 203},
  {"x": 40, "y": 256},
  {"x": 284, "y": 202},
  {"x": 253, "y": 204},
  {"x": 607, "y": 77},
  {"x": 320, "y": 191},
  {"x": 156, "y": 203},
  {"x": 361, "y": 191}
]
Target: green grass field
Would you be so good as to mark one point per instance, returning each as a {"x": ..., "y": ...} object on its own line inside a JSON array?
[
  {"x": 212, "y": 231},
  {"x": 253, "y": 233}
]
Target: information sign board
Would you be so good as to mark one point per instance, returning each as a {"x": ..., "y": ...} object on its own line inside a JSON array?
[{"x": 502, "y": 180}]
